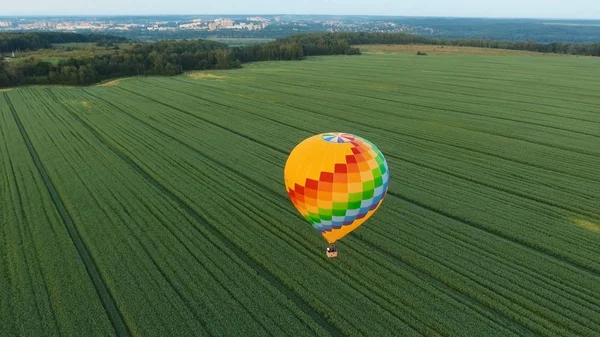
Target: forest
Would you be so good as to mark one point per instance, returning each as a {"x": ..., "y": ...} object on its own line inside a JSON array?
[
  {"x": 172, "y": 57},
  {"x": 166, "y": 57}
]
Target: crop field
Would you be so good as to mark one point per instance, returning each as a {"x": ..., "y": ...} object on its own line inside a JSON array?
[{"x": 157, "y": 207}]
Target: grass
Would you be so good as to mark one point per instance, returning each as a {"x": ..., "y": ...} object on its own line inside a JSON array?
[
  {"x": 111, "y": 83},
  {"x": 202, "y": 75},
  {"x": 174, "y": 188}
]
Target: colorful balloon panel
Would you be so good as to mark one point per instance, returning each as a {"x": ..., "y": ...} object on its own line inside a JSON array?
[{"x": 336, "y": 181}]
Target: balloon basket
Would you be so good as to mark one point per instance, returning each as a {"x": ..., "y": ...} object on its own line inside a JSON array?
[{"x": 331, "y": 251}]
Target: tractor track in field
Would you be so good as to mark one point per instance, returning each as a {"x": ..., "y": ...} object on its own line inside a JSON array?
[
  {"x": 108, "y": 302},
  {"x": 232, "y": 246}
]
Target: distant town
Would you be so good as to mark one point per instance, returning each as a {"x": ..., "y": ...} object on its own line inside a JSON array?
[
  {"x": 276, "y": 26},
  {"x": 250, "y": 23}
]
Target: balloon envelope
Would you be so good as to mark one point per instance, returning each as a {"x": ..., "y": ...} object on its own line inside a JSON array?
[{"x": 336, "y": 181}]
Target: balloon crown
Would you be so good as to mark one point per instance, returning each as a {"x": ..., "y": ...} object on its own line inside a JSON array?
[{"x": 338, "y": 137}]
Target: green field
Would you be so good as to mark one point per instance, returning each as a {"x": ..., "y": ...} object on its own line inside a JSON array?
[{"x": 156, "y": 206}]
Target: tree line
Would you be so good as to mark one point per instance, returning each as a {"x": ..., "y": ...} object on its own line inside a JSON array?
[
  {"x": 44, "y": 40},
  {"x": 172, "y": 57}
]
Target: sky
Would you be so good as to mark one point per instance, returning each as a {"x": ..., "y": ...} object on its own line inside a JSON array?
[{"x": 568, "y": 9}]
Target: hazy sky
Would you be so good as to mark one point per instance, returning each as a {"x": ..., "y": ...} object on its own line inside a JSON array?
[{"x": 469, "y": 8}]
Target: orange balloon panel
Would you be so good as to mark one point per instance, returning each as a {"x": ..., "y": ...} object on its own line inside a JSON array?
[{"x": 336, "y": 181}]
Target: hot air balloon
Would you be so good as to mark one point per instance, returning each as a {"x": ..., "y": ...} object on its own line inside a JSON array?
[{"x": 336, "y": 181}]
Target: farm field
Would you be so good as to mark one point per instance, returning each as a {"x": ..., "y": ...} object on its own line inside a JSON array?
[{"x": 156, "y": 206}]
